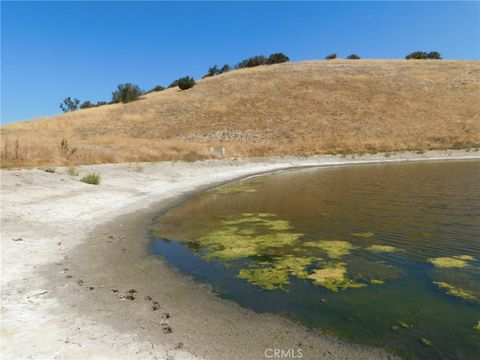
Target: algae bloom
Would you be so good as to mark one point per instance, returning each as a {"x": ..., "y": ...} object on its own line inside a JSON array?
[
  {"x": 334, "y": 278},
  {"x": 449, "y": 262},
  {"x": 455, "y": 291},
  {"x": 335, "y": 249},
  {"x": 381, "y": 248},
  {"x": 365, "y": 235}
]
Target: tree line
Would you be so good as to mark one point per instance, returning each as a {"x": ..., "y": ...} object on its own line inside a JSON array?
[{"x": 129, "y": 92}]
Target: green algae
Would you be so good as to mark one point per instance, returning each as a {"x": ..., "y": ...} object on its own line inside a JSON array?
[
  {"x": 247, "y": 235},
  {"x": 365, "y": 235},
  {"x": 425, "y": 342},
  {"x": 267, "y": 278},
  {"x": 448, "y": 262},
  {"x": 276, "y": 274},
  {"x": 381, "y": 248},
  {"x": 335, "y": 249},
  {"x": 455, "y": 291},
  {"x": 377, "y": 282},
  {"x": 464, "y": 257},
  {"x": 333, "y": 278},
  {"x": 476, "y": 327}
]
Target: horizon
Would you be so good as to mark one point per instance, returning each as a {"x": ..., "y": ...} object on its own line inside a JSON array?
[{"x": 43, "y": 67}]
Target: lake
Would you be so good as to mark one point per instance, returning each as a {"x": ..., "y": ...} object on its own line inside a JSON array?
[{"x": 386, "y": 255}]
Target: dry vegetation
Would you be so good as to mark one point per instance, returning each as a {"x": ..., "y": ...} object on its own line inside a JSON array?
[{"x": 302, "y": 108}]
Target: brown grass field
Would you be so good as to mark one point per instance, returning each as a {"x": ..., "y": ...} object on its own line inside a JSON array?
[{"x": 312, "y": 107}]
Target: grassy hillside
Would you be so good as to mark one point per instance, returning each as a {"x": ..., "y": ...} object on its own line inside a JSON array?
[{"x": 291, "y": 108}]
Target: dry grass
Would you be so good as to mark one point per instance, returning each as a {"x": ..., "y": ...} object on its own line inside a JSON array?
[{"x": 336, "y": 106}]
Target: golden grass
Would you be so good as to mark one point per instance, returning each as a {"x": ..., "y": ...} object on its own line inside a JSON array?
[{"x": 305, "y": 108}]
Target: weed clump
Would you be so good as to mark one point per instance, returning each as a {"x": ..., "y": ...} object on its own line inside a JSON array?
[{"x": 93, "y": 179}]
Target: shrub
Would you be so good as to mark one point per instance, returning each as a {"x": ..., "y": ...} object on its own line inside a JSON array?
[
  {"x": 353, "y": 57},
  {"x": 417, "y": 55},
  {"x": 126, "y": 93},
  {"x": 212, "y": 71},
  {"x": 186, "y": 82},
  {"x": 93, "y": 179},
  {"x": 100, "y": 103},
  {"x": 87, "y": 104},
  {"x": 277, "y": 58},
  {"x": 69, "y": 104},
  {"x": 331, "y": 57},
  {"x": 434, "y": 55},
  {"x": 225, "y": 68},
  {"x": 50, "y": 170},
  {"x": 157, "y": 88},
  {"x": 173, "y": 84},
  {"x": 252, "y": 62}
]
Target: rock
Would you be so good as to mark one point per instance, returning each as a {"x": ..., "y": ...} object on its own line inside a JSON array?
[
  {"x": 18, "y": 239},
  {"x": 91, "y": 288},
  {"x": 167, "y": 330}
]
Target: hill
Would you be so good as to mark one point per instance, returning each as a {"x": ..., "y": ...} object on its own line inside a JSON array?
[{"x": 311, "y": 107}]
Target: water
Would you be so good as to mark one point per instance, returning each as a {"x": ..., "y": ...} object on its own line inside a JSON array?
[{"x": 386, "y": 255}]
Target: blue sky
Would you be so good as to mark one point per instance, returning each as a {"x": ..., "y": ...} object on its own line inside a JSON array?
[{"x": 51, "y": 50}]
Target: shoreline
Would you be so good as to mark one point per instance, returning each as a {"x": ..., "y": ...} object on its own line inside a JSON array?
[{"x": 72, "y": 231}]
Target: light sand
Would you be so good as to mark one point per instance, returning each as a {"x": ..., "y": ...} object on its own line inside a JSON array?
[{"x": 76, "y": 236}]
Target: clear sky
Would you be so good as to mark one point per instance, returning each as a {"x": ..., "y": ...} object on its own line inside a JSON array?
[{"x": 51, "y": 50}]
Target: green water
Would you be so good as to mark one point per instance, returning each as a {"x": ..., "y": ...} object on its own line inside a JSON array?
[{"x": 386, "y": 255}]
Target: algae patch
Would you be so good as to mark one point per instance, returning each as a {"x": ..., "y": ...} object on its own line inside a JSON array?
[
  {"x": 381, "y": 248},
  {"x": 333, "y": 278},
  {"x": 335, "y": 249},
  {"x": 364, "y": 235},
  {"x": 449, "y": 262},
  {"x": 455, "y": 291}
]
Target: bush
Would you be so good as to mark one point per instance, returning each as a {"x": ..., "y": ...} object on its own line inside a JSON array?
[
  {"x": 434, "y": 55},
  {"x": 331, "y": 57},
  {"x": 277, "y": 58},
  {"x": 186, "y": 82},
  {"x": 93, "y": 179},
  {"x": 126, "y": 93},
  {"x": 417, "y": 55},
  {"x": 173, "y": 84},
  {"x": 214, "y": 70},
  {"x": 87, "y": 104},
  {"x": 353, "y": 57},
  {"x": 50, "y": 170},
  {"x": 157, "y": 88},
  {"x": 100, "y": 103},
  {"x": 252, "y": 62},
  {"x": 69, "y": 104}
]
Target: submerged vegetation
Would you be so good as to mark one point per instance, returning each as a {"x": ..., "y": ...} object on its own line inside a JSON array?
[
  {"x": 455, "y": 291},
  {"x": 451, "y": 262}
]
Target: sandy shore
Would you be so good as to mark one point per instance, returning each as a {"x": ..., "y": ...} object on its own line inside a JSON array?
[{"x": 72, "y": 251}]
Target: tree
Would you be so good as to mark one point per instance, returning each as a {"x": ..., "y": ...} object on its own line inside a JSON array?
[
  {"x": 331, "y": 57},
  {"x": 225, "y": 68},
  {"x": 423, "y": 55},
  {"x": 434, "y": 55},
  {"x": 186, "y": 82},
  {"x": 126, "y": 93},
  {"x": 417, "y": 55},
  {"x": 173, "y": 84},
  {"x": 69, "y": 104},
  {"x": 252, "y": 62},
  {"x": 212, "y": 71},
  {"x": 353, "y": 57},
  {"x": 277, "y": 58},
  {"x": 100, "y": 103},
  {"x": 87, "y": 104}
]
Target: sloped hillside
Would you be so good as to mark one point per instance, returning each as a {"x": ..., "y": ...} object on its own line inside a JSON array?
[{"x": 291, "y": 108}]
